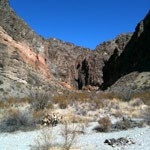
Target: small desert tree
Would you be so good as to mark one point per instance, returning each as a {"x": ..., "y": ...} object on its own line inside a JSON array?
[{"x": 39, "y": 100}]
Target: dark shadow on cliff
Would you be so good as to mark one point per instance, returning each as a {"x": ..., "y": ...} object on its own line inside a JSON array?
[
  {"x": 135, "y": 57},
  {"x": 83, "y": 74}
]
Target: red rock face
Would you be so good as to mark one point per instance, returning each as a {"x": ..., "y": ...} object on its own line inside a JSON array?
[{"x": 26, "y": 53}]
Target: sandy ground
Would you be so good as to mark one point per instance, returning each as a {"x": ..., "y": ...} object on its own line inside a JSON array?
[{"x": 91, "y": 140}]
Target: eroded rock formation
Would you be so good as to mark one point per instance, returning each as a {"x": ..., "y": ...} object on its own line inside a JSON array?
[
  {"x": 29, "y": 60},
  {"x": 134, "y": 59}
]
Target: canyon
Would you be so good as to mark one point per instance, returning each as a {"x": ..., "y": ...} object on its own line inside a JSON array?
[{"x": 29, "y": 62}]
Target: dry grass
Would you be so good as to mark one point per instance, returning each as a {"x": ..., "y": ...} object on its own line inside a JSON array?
[
  {"x": 146, "y": 115},
  {"x": 61, "y": 100},
  {"x": 68, "y": 98},
  {"x": 76, "y": 107},
  {"x": 14, "y": 102},
  {"x": 18, "y": 100},
  {"x": 83, "y": 103},
  {"x": 69, "y": 135},
  {"x": 98, "y": 103},
  {"x": 44, "y": 141},
  {"x": 109, "y": 96},
  {"x": 9, "y": 103},
  {"x": 116, "y": 113},
  {"x": 121, "y": 108},
  {"x": 71, "y": 117},
  {"x": 2, "y": 105},
  {"x": 144, "y": 96},
  {"x": 95, "y": 100},
  {"x": 38, "y": 116},
  {"x": 136, "y": 102}
]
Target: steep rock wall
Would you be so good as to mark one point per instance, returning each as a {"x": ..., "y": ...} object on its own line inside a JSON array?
[
  {"x": 134, "y": 58},
  {"x": 29, "y": 57}
]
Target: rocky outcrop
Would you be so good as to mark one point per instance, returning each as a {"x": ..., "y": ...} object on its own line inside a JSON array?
[
  {"x": 90, "y": 67},
  {"x": 31, "y": 61},
  {"x": 134, "y": 59},
  {"x": 63, "y": 59},
  {"x": 119, "y": 142},
  {"x": 79, "y": 66},
  {"x": 74, "y": 65},
  {"x": 19, "y": 65},
  {"x": 18, "y": 29}
]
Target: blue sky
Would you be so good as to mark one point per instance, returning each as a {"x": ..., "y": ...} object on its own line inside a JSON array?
[{"x": 85, "y": 23}]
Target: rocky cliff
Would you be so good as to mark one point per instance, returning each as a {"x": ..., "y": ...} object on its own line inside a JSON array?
[
  {"x": 28, "y": 61},
  {"x": 79, "y": 66},
  {"x": 134, "y": 60}
]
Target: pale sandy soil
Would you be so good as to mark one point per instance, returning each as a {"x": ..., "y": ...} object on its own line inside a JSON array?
[{"x": 88, "y": 141}]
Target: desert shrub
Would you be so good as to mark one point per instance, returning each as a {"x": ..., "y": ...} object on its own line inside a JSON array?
[
  {"x": 108, "y": 96},
  {"x": 34, "y": 79},
  {"x": 77, "y": 119},
  {"x": 44, "y": 141},
  {"x": 117, "y": 113},
  {"x": 104, "y": 124},
  {"x": 136, "y": 102},
  {"x": 40, "y": 100},
  {"x": 124, "y": 124},
  {"x": 69, "y": 136},
  {"x": 82, "y": 127},
  {"x": 144, "y": 96},
  {"x": 11, "y": 102},
  {"x": 50, "y": 106},
  {"x": 16, "y": 120},
  {"x": 38, "y": 116},
  {"x": 80, "y": 96},
  {"x": 1, "y": 82},
  {"x": 61, "y": 100},
  {"x": 96, "y": 104},
  {"x": 2, "y": 104},
  {"x": 62, "y": 106},
  {"x": 146, "y": 115},
  {"x": 83, "y": 97},
  {"x": 126, "y": 96},
  {"x": 65, "y": 99}
]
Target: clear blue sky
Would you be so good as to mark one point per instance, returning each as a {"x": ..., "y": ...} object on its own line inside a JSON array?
[{"x": 82, "y": 22}]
